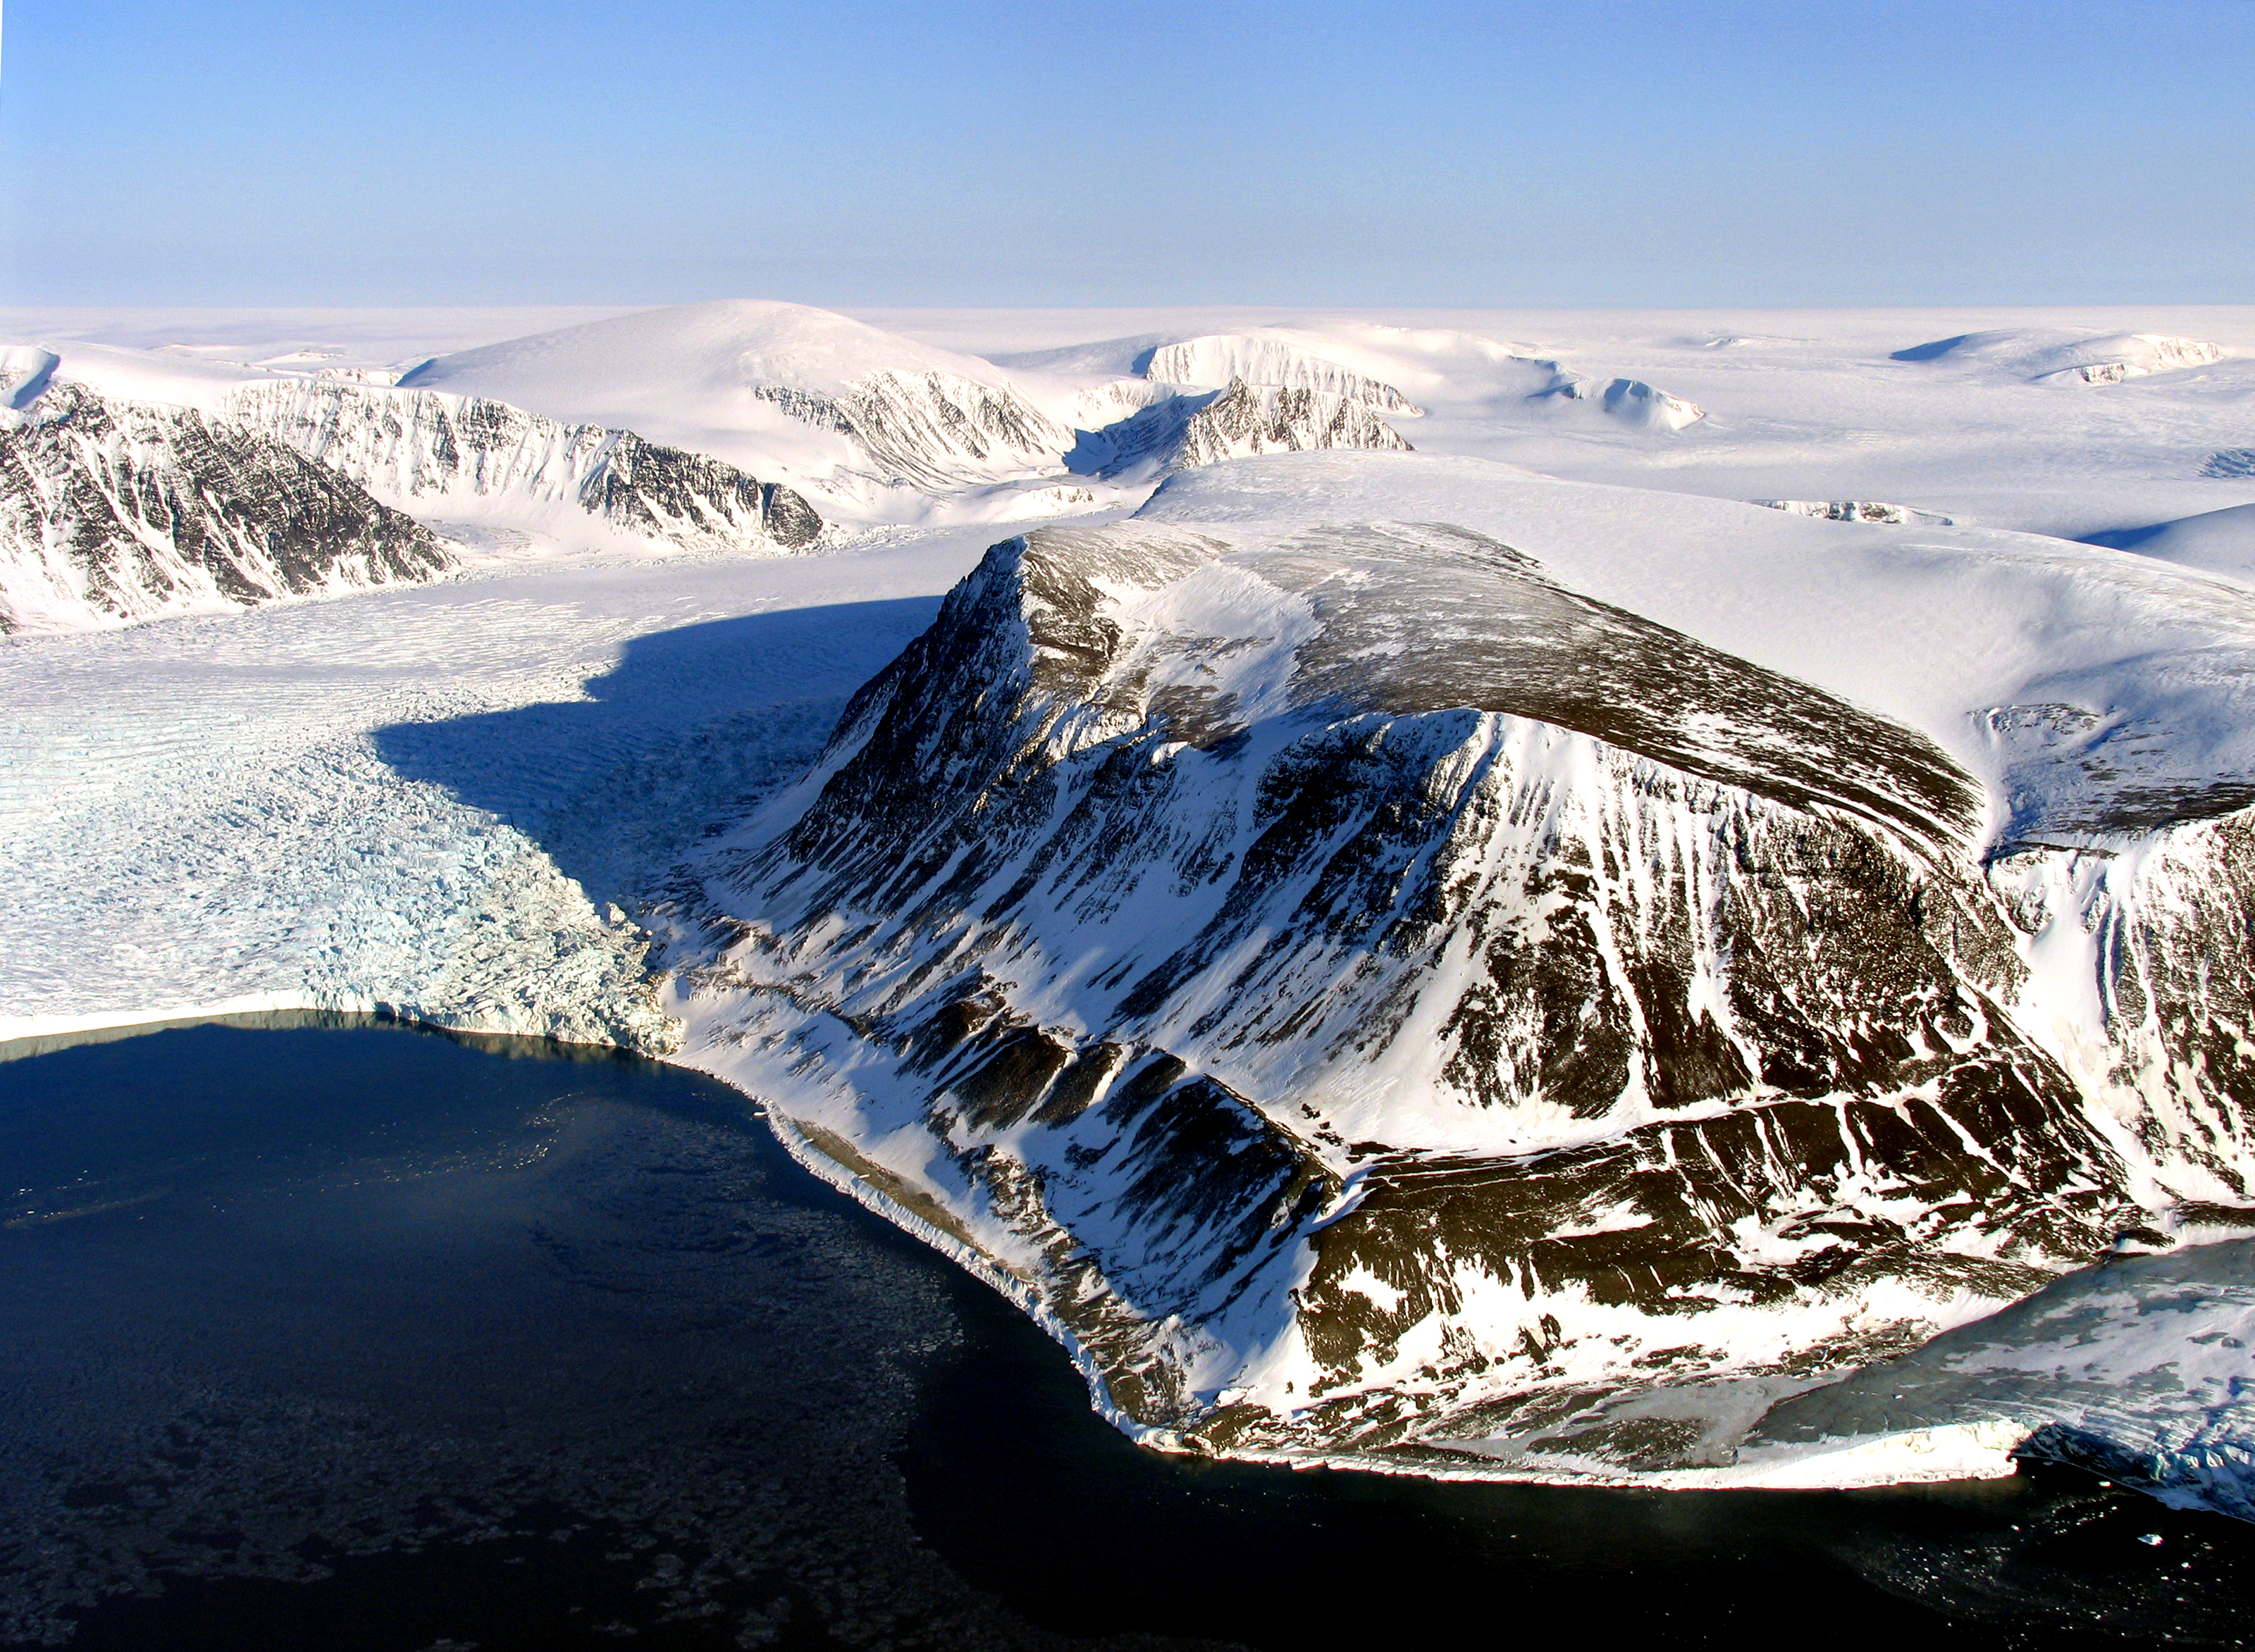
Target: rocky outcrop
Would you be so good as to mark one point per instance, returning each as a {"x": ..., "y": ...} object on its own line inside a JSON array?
[
  {"x": 1221, "y": 358},
  {"x": 433, "y": 453},
  {"x": 115, "y": 510},
  {"x": 1236, "y": 422},
  {"x": 2155, "y": 927},
  {"x": 2133, "y": 356},
  {"x": 932, "y": 432},
  {"x": 1858, "y": 510},
  {"x": 1374, "y": 1000}
]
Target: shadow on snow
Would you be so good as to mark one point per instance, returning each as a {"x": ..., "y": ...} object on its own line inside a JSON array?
[{"x": 690, "y": 729}]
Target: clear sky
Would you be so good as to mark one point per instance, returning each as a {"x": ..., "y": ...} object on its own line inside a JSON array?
[{"x": 1706, "y": 152}]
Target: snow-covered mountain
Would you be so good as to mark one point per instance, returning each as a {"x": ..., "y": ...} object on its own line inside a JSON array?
[
  {"x": 1374, "y": 995},
  {"x": 1394, "y": 956},
  {"x": 1462, "y": 374},
  {"x": 138, "y": 449},
  {"x": 1857, "y": 510},
  {"x": 859, "y": 426},
  {"x": 119, "y": 510},
  {"x": 470, "y": 461},
  {"x": 844, "y": 412},
  {"x": 1218, "y": 360},
  {"x": 874, "y": 426},
  {"x": 1236, "y": 422},
  {"x": 2067, "y": 355}
]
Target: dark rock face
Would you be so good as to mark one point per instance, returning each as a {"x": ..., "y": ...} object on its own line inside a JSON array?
[
  {"x": 425, "y": 448},
  {"x": 667, "y": 494},
  {"x": 2175, "y": 945},
  {"x": 1376, "y": 998},
  {"x": 120, "y": 511}
]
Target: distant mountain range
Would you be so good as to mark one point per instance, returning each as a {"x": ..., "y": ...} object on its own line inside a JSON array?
[{"x": 728, "y": 427}]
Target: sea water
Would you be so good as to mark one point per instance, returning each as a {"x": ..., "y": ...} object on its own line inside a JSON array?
[{"x": 337, "y": 1334}]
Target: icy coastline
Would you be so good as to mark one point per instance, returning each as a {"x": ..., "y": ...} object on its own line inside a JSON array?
[
  {"x": 493, "y": 804},
  {"x": 145, "y": 819}
]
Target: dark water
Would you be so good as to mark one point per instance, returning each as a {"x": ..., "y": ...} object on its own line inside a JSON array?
[{"x": 363, "y": 1337}]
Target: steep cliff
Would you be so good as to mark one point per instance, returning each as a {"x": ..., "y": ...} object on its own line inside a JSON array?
[
  {"x": 1237, "y": 422},
  {"x": 1218, "y": 358},
  {"x": 116, "y": 510},
  {"x": 470, "y": 458}
]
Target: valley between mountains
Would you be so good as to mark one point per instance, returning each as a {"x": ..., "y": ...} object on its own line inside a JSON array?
[{"x": 1505, "y": 896}]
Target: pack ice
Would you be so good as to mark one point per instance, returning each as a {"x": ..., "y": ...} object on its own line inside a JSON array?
[{"x": 1392, "y": 958}]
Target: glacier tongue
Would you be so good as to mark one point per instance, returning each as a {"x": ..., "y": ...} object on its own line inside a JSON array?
[{"x": 437, "y": 797}]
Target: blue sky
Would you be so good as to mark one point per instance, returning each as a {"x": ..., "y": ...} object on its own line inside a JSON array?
[{"x": 156, "y": 151}]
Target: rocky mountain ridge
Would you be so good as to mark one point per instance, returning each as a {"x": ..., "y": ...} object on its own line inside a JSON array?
[
  {"x": 118, "y": 508},
  {"x": 114, "y": 511},
  {"x": 449, "y": 456},
  {"x": 1239, "y": 421},
  {"x": 1378, "y": 1002}
]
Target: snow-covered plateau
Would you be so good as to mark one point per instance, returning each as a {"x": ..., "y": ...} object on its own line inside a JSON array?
[{"x": 1693, "y": 929}]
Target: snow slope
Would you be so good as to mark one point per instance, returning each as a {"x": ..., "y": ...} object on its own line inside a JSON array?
[
  {"x": 2069, "y": 355},
  {"x": 1934, "y": 627},
  {"x": 2220, "y": 542}
]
